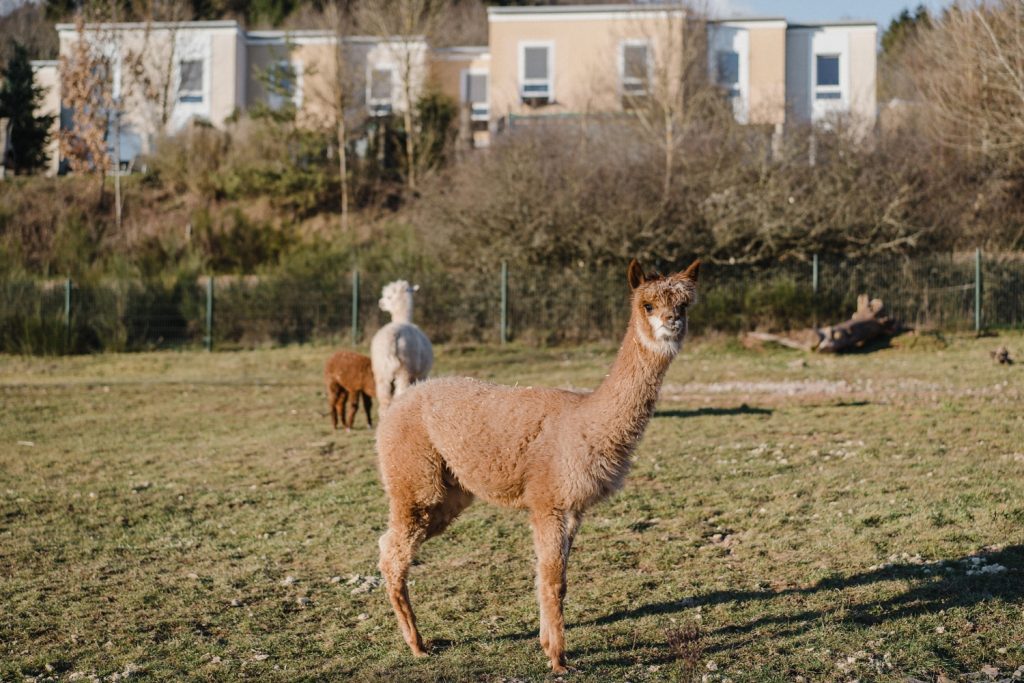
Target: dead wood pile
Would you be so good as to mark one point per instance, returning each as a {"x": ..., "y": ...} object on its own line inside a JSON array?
[{"x": 868, "y": 323}]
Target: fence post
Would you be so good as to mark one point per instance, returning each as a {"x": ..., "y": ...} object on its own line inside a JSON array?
[
  {"x": 355, "y": 306},
  {"x": 208, "y": 340},
  {"x": 504, "y": 301},
  {"x": 977, "y": 290},
  {"x": 814, "y": 275},
  {"x": 67, "y": 315}
]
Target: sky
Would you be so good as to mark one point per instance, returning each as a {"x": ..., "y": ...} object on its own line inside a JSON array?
[{"x": 881, "y": 11}]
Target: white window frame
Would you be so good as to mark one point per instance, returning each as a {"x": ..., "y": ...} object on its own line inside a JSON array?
[
  {"x": 478, "y": 111},
  {"x": 830, "y": 42},
  {"x": 198, "y": 95},
  {"x": 550, "y": 80},
  {"x": 736, "y": 85},
  {"x": 276, "y": 101},
  {"x": 727, "y": 37},
  {"x": 836, "y": 89},
  {"x": 375, "y": 104},
  {"x": 635, "y": 42},
  {"x": 192, "y": 44}
]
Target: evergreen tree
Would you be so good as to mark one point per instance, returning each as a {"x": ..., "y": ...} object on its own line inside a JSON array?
[
  {"x": 903, "y": 28},
  {"x": 19, "y": 99}
]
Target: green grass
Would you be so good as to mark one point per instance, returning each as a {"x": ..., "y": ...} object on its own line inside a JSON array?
[{"x": 781, "y": 520}]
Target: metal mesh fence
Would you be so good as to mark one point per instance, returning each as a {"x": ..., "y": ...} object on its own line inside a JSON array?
[{"x": 544, "y": 306}]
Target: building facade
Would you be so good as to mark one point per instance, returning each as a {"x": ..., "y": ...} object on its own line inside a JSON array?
[
  {"x": 599, "y": 58},
  {"x": 539, "y": 61}
]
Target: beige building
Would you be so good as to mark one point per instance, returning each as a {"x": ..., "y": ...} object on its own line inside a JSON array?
[
  {"x": 600, "y": 58},
  {"x": 576, "y": 59}
]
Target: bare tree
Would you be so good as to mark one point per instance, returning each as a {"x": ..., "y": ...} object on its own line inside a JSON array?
[
  {"x": 408, "y": 24},
  {"x": 969, "y": 70},
  {"x": 149, "y": 66},
  {"x": 87, "y": 93},
  {"x": 665, "y": 83},
  {"x": 337, "y": 92}
]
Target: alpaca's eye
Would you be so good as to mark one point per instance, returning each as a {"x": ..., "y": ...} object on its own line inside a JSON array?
[{"x": 648, "y": 308}]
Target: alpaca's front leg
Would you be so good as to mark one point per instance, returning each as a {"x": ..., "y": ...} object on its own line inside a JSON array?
[{"x": 551, "y": 541}]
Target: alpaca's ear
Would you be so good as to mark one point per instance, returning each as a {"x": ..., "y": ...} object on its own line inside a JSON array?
[
  {"x": 691, "y": 272},
  {"x": 415, "y": 288},
  {"x": 635, "y": 274}
]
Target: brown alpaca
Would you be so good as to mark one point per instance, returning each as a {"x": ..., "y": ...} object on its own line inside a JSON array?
[
  {"x": 348, "y": 377},
  {"x": 551, "y": 452}
]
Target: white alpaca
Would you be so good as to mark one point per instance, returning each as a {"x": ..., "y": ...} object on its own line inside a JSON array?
[{"x": 400, "y": 352}]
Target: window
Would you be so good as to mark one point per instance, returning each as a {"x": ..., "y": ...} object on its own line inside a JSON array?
[
  {"x": 476, "y": 96},
  {"x": 727, "y": 71},
  {"x": 282, "y": 85},
  {"x": 826, "y": 84},
  {"x": 635, "y": 69},
  {"x": 380, "y": 89},
  {"x": 190, "y": 80},
  {"x": 535, "y": 66}
]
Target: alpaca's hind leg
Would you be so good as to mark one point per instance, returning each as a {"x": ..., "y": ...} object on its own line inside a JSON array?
[
  {"x": 339, "y": 406},
  {"x": 368, "y": 404},
  {"x": 407, "y": 529},
  {"x": 353, "y": 408},
  {"x": 551, "y": 538}
]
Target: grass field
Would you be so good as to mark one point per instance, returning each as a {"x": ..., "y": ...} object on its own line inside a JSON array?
[{"x": 172, "y": 515}]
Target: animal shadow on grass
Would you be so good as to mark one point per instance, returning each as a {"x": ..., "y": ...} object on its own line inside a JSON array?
[
  {"x": 743, "y": 409},
  {"x": 961, "y": 582}
]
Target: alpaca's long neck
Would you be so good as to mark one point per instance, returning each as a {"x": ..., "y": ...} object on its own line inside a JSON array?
[
  {"x": 402, "y": 313},
  {"x": 617, "y": 413}
]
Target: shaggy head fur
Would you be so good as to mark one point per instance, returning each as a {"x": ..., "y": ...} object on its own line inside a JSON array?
[
  {"x": 660, "y": 305},
  {"x": 396, "y": 299},
  {"x": 549, "y": 451}
]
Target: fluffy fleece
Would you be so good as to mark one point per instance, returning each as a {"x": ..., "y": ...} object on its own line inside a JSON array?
[
  {"x": 551, "y": 452},
  {"x": 349, "y": 378},
  {"x": 400, "y": 352}
]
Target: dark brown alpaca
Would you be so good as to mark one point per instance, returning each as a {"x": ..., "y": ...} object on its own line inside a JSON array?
[{"x": 348, "y": 377}]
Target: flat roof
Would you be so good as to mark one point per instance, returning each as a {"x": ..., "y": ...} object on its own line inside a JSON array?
[
  {"x": 841, "y": 22},
  {"x": 561, "y": 9},
  {"x": 724, "y": 20},
  {"x": 468, "y": 49},
  {"x": 306, "y": 36},
  {"x": 552, "y": 10},
  {"x": 225, "y": 23}
]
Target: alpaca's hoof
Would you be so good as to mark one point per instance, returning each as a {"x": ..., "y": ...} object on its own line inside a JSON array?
[{"x": 560, "y": 668}]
